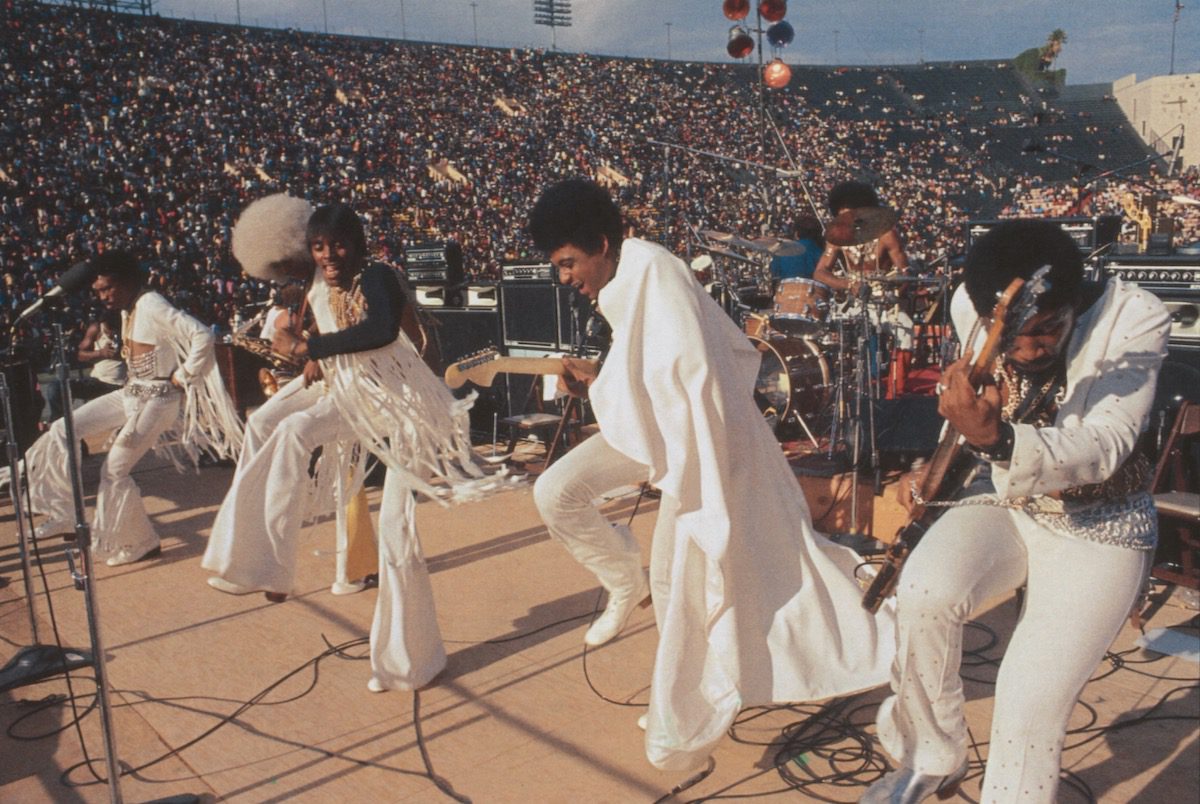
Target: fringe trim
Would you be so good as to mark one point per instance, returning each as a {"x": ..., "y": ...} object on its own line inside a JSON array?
[
  {"x": 408, "y": 418},
  {"x": 208, "y": 419}
]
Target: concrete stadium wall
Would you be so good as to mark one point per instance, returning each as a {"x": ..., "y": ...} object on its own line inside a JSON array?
[{"x": 1162, "y": 103}]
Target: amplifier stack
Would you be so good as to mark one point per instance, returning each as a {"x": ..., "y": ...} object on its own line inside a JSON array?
[
  {"x": 1175, "y": 280},
  {"x": 526, "y": 314}
]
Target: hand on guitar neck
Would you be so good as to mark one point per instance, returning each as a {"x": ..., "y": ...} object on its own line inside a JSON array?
[
  {"x": 578, "y": 376},
  {"x": 972, "y": 408}
]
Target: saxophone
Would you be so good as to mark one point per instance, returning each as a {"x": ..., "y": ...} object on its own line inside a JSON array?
[{"x": 283, "y": 367}]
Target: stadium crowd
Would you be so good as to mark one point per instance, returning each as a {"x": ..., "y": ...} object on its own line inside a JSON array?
[{"x": 152, "y": 134}]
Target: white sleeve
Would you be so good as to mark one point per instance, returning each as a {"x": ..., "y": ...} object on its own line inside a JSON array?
[
  {"x": 1109, "y": 395},
  {"x": 177, "y": 327}
]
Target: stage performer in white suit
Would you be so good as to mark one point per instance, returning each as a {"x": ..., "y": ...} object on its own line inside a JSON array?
[
  {"x": 255, "y": 536},
  {"x": 390, "y": 401},
  {"x": 173, "y": 398},
  {"x": 1060, "y": 506},
  {"x": 752, "y": 605}
]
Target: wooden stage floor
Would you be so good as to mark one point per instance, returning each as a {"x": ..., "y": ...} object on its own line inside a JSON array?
[{"x": 521, "y": 714}]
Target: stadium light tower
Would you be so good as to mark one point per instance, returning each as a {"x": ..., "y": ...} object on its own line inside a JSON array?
[{"x": 554, "y": 13}]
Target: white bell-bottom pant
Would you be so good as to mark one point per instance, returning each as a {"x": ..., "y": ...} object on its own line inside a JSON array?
[
  {"x": 1078, "y": 594},
  {"x": 256, "y": 533},
  {"x": 120, "y": 520}
]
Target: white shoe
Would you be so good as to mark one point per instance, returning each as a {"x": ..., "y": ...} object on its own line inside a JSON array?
[
  {"x": 616, "y": 614},
  {"x": 643, "y": 721},
  {"x": 54, "y": 527},
  {"x": 229, "y": 587},
  {"x": 346, "y": 587},
  {"x": 374, "y": 685},
  {"x": 126, "y": 556}
]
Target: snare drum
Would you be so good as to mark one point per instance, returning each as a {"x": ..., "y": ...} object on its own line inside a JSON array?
[
  {"x": 801, "y": 306},
  {"x": 793, "y": 378}
]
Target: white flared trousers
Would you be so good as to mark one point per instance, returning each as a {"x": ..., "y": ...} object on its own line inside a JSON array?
[
  {"x": 565, "y": 495},
  {"x": 256, "y": 533},
  {"x": 120, "y": 520},
  {"x": 1078, "y": 594}
]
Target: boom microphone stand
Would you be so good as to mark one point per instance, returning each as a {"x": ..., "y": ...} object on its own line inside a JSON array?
[{"x": 85, "y": 578}]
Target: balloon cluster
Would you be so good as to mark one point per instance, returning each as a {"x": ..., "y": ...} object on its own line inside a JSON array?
[{"x": 780, "y": 34}]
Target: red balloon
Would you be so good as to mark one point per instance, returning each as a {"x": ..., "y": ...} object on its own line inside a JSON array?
[
  {"x": 773, "y": 10},
  {"x": 736, "y": 9},
  {"x": 777, "y": 74}
]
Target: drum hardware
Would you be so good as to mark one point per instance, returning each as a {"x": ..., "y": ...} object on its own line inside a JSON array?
[{"x": 724, "y": 252}]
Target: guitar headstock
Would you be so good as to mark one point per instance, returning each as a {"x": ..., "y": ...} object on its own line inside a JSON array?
[
  {"x": 1019, "y": 310},
  {"x": 479, "y": 368},
  {"x": 1014, "y": 309}
]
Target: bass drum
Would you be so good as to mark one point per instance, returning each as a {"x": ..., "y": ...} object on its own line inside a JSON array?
[{"x": 793, "y": 379}]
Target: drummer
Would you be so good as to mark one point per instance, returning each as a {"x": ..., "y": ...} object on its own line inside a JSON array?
[
  {"x": 881, "y": 255},
  {"x": 800, "y": 261},
  {"x": 874, "y": 253}
]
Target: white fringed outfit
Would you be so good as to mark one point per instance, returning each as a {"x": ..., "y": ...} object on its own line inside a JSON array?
[
  {"x": 257, "y": 530},
  {"x": 1082, "y": 560},
  {"x": 407, "y": 417},
  {"x": 752, "y": 605},
  {"x": 150, "y": 412}
]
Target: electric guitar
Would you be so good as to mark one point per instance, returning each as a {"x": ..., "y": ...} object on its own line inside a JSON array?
[
  {"x": 950, "y": 466},
  {"x": 481, "y": 368}
]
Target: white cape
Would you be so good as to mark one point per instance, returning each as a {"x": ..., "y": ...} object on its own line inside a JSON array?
[{"x": 761, "y": 608}]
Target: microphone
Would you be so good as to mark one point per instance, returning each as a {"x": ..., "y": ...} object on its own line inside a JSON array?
[{"x": 73, "y": 280}]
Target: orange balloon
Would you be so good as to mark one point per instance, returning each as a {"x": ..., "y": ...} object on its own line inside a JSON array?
[
  {"x": 736, "y": 9},
  {"x": 777, "y": 74},
  {"x": 773, "y": 10}
]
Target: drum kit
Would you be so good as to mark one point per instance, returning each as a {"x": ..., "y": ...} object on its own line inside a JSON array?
[{"x": 821, "y": 355}]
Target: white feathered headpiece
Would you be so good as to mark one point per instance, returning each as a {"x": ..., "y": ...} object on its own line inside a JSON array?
[{"x": 270, "y": 231}]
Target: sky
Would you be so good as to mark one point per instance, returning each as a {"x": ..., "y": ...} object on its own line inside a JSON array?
[{"x": 1106, "y": 39}]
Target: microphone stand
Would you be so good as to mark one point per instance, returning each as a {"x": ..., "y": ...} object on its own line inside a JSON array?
[
  {"x": 16, "y": 491},
  {"x": 84, "y": 580}
]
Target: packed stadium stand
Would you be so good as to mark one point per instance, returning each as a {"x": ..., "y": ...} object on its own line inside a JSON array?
[{"x": 153, "y": 133}]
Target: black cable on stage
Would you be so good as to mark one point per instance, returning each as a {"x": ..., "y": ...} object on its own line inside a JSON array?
[
  {"x": 313, "y": 663},
  {"x": 442, "y": 785}
]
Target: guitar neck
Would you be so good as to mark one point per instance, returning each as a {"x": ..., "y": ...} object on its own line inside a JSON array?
[{"x": 528, "y": 365}]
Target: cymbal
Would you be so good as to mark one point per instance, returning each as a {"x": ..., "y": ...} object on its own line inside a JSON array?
[
  {"x": 779, "y": 247},
  {"x": 853, "y": 227},
  {"x": 724, "y": 252},
  {"x": 728, "y": 239}
]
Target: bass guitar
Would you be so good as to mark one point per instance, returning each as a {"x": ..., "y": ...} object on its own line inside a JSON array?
[{"x": 950, "y": 466}]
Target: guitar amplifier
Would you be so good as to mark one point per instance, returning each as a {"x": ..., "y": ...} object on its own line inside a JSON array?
[
  {"x": 527, "y": 272},
  {"x": 434, "y": 262},
  {"x": 1175, "y": 280},
  {"x": 1088, "y": 233}
]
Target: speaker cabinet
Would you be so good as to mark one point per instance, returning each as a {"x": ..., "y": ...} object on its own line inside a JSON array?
[
  {"x": 430, "y": 295},
  {"x": 482, "y": 296},
  {"x": 460, "y": 332},
  {"x": 530, "y": 315}
]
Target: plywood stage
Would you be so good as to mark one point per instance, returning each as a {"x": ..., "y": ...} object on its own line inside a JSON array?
[{"x": 521, "y": 714}]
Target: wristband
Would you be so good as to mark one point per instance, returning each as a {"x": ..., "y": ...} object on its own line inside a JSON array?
[{"x": 1002, "y": 450}]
